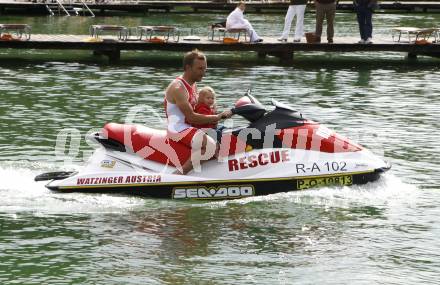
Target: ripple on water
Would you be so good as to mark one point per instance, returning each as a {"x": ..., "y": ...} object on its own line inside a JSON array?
[{"x": 383, "y": 232}]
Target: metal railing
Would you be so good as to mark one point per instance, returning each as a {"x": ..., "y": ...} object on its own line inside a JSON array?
[
  {"x": 49, "y": 10},
  {"x": 62, "y": 7},
  {"x": 87, "y": 7}
]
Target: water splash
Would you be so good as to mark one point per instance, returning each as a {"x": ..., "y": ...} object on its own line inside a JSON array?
[
  {"x": 20, "y": 193},
  {"x": 388, "y": 189}
]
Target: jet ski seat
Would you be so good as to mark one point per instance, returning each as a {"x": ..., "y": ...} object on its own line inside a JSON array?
[{"x": 151, "y": 144}]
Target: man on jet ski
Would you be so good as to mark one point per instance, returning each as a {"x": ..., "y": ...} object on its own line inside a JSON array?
[{"x": 180, "y": 100}]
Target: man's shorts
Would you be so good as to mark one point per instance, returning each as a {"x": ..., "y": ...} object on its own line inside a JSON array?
[{"x": 186, "y": 136}]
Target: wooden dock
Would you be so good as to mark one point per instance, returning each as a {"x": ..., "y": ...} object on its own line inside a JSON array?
[
  {"x": 39, "y": 7},
  {"x": 111, "y": 47}
]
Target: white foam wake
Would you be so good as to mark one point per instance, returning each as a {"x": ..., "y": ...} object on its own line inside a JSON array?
[
  {"x": 20, "y": 193},
  {"x": 388, "y": 189}
]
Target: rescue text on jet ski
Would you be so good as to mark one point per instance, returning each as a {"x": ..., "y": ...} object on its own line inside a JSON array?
[
  {"x": 278, "y": 151},
  {"x": 252, "y": 161}
]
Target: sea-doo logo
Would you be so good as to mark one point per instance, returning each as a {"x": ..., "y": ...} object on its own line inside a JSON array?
[
  {"x": 106, "y": 163},
  {"x": 220, "y": 192}
]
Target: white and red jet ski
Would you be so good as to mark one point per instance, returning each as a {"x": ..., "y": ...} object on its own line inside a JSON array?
[{"x": 278, "y": 151}]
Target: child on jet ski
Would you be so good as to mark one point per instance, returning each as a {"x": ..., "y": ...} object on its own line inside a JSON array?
[{"x": 206, "y": 106}]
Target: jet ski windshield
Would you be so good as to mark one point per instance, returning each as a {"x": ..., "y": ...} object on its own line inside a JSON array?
[
  {"x": 266, "y": 122},
  {"x": 252, "y": 110},
  {"x": 283, "y": 116},
  {"x": 286, "y": 110},
  {"x": 280, "y": 105}
]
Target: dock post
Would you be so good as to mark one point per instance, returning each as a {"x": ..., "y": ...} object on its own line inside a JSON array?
[
  {"x": 114, "y": 55},
  {"x": 262, "y": 55},
  {"x": 286, "y": 57},
  {"x": 412, "y": 56}
]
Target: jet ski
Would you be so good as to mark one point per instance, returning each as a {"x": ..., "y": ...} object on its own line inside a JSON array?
[{"x": 278, "y": 151}]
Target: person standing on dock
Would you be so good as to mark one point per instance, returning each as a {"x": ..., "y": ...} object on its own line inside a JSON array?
[
  {"x": 364, "y": 12},
  {"x": 296, "y": 8},
  {"x": 236, "y": 20},
  {"x": 325, "y": 9}
]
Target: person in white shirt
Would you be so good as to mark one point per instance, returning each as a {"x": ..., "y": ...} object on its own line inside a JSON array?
[{"x": 236, "y": 20}]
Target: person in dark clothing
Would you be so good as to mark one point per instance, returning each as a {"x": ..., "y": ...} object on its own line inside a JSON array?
[
  {"x": 364, "y": 12},
  {"x": 325, "y": 9}
]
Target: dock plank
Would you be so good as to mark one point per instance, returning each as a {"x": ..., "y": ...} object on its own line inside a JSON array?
[
  {"x": 204, "y": 40},
  {"x": 111, "y": 46}
]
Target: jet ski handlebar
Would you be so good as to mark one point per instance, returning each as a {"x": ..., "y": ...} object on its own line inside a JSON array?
[{"x": 248, "y": 110}]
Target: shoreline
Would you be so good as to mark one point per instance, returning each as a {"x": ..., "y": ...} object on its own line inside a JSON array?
[{"x": 147, "y": 7}]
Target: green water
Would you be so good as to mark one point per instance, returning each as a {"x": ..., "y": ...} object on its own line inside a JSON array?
[{"x": 381, "y": 233}]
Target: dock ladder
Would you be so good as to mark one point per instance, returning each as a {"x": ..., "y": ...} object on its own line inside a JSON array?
[
  {"x": 68, "y": 9},
  {"x": 85, "y": 9}
]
